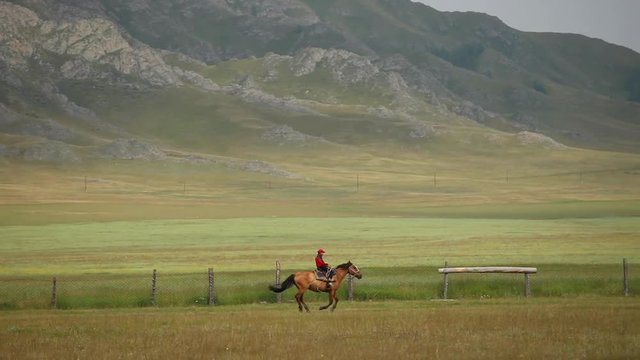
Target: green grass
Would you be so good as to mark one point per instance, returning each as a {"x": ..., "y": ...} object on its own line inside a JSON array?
[
  {"x": 114, "y": 290},
  {"x": 108, "y": 264},
  {"x": 387, "y": 208},
  {"x": 255, "y": 243}
]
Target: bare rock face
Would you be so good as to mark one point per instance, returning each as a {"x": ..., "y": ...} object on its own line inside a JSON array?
[
  {"x": 256, "y": 96},
  {"x": 49, "y": 151},
  {"x": 305, "y": 61},
  {"x": 259, "y": 166},
  {"x": 94, "y": 48},
  {"x": 343, "y": 65},
  {"x": 472, "y": 111},
  {"x": 130, "y": 149},
  {"x": 284, "y": 134},
  {"x": 46, "y": 128},
  {"x": 97, "y": 42},
  {"x": 15, "y": 25},
  {"x": 7, "y": 116},
  {"x": 528, "y": 138},
  {"x": 285, "y": 12},
  {"x": 88, "y": 39},
  {"x": 195, "y": 79}
]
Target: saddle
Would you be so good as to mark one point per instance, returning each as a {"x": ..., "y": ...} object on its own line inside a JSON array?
[{"x": 322, "y": 276}]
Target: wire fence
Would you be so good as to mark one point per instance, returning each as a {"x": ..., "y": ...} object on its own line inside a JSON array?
[
  {"x": 427, "y": 182},
  {"x": 208, "y": 288}
]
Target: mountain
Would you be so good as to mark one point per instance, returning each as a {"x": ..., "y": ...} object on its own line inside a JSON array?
[{"x": 227, "y": 81}]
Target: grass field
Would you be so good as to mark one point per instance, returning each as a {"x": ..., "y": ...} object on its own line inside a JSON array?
[
  {"x": 253, "y": 244},
  {"x": 109, "y": 264},
  {"x": 575, "y": 221},
  {"x": 505, "y": 329}
]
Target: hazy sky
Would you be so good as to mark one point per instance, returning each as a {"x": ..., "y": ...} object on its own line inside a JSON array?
[{"x": 615, "y": 21}]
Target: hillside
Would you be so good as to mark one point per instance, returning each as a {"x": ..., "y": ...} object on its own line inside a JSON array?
[{"x": 230, "y": 82}]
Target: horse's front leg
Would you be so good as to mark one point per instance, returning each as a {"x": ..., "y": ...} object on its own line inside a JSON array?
[
  {"x": 329, "y": 304},
  {"x": 335, "y": 301},
  {"x": 332, "y": 298}
]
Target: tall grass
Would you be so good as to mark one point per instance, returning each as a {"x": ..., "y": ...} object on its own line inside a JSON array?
[
  {"x": 515, "y": 329},
  {"x": 378, "y": 284},
  {"x": 109, "y": 264}
]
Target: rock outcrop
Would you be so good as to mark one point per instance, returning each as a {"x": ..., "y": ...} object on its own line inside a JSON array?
[
  {"x": 130, "y": 149},
  {"x": 528, "y": 138}
]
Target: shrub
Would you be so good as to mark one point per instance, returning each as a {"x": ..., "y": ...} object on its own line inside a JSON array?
[{"x": 540, "y": 87}]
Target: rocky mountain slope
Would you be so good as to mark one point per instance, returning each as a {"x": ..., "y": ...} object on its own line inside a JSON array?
[{"x": 208, "y": 79}]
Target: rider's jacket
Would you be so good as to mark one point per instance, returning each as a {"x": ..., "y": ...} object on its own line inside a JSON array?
[{"x": 321, "y": 264}]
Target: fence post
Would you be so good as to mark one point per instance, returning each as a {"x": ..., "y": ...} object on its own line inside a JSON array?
[
  {"x": 625, "y": 267},
  {"x": 212, "y": 290},
  {"x": 350, "y": 287},
  {"x": 527, "y": 286},
  {"x": 153, "y": 288},
  {"x": 54, "y": 293},
  {"x": 278, "y": 295},
  {"x": 446, "y": 283}
]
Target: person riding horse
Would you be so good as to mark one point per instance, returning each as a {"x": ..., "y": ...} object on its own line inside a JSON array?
[
  {"x": 308, "y": 280},
  {"x": 323, "y": 267}
]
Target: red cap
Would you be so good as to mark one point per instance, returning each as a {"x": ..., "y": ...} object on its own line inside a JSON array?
[{"x": 321, "y": 251}]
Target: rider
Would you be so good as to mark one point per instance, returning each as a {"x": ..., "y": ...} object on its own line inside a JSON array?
[{"x": 323, "y": 266}]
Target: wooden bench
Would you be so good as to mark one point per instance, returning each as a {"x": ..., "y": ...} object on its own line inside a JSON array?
[{"x": 489, "y": 269}]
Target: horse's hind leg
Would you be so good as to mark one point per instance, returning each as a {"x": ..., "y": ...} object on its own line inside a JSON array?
[{"x": 300, "y": 300}]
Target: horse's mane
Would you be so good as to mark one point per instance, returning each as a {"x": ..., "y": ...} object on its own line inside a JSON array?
[{"x": 344, "y": 266}]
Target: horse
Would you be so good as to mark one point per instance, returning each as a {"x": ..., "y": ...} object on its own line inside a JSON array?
[{"x": 307, "y": 280}]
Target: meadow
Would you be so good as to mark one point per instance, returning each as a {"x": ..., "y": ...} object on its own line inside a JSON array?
[
  {"x": 101, "y": 235},
  {"x": 109, "y": 264},
  {"x": 592, "y": 328}
]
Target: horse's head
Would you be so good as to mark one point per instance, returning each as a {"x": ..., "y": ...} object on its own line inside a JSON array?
[{"x": 353, "y": 270}]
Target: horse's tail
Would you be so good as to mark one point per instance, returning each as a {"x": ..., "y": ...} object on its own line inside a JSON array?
[{"x": 284, "y": 286}]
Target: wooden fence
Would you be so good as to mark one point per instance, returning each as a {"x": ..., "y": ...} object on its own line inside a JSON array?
[
  {"x": 211, "y": 294},
  {"x": 210, "y": 288},
  {"x": 489, "y": 269}
]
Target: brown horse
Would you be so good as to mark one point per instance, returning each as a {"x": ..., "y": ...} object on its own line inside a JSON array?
[{"x": 307, "y": 280}]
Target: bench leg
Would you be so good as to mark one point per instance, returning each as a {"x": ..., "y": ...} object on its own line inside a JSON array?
[
  {"x": 446, "y": 285},
  {"x": 527, "y": 286}
]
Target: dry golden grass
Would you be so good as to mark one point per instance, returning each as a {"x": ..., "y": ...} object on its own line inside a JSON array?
[
  {"x": 509, "y": 329},
  {"x": 32, "y": 194},
  {"x": 576, "y": 185}
]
